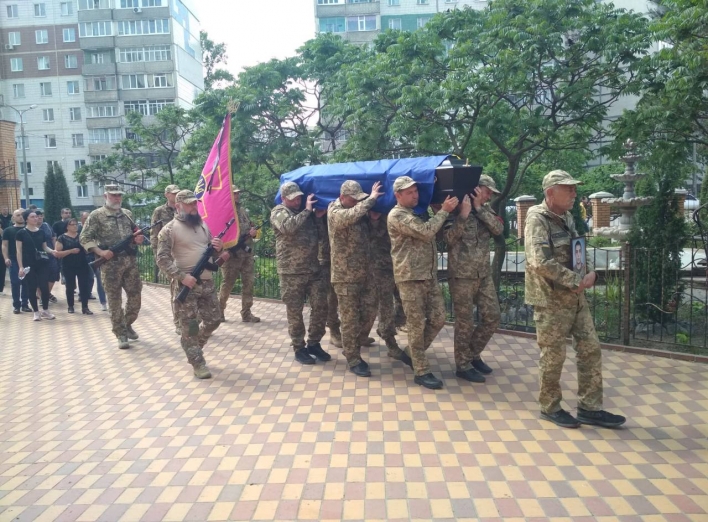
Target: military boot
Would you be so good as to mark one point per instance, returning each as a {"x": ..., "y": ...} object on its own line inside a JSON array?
[
  {"x": 201, "y": 371},
  {"x": 123, "y": 343},
  {"x": 367, "y": 341},
  {"x": 248, "y": 317},
  {"x": 335, "y": 336},
  {"x": 395, "y": 352},
  {"x": 132, "y": 334}
]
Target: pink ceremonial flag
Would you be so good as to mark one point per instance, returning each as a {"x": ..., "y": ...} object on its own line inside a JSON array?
[{"x": 214, "y": 193}]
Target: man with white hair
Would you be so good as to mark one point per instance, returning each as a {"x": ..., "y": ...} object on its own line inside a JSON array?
[{"x": 560, "y": 308}]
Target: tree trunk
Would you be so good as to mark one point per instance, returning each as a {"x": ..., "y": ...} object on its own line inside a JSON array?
[{"x": 499, "y": 206}]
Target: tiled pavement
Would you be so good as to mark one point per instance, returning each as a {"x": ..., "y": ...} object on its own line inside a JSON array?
[{"x": 88, "y": 432}]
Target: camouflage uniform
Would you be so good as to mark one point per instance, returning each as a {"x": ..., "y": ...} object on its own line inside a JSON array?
[
  {"x": 471, "y": 281},
  {"x": 558, "y": 311},
  {"x": 351, "y": 273},
  {"x": 164, "y": 213},
  {"x": 240, "y": 264},
  {"x": 299, "y": 273},
  {"x": 324, "y": 257},
  {"x": 415, "y": 266},
  {"x": 201, "y": 301},
  {"x": 384, "y": 283},
  {"x": 104, "y": 228}
]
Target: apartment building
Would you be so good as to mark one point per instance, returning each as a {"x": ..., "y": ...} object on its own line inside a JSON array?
[{"x": 82, "y": 65}]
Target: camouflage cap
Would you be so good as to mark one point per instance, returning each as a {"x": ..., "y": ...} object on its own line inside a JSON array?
[
  {"x": 235, "y": 190},
  {"x": 559, "y": 177},
  {"x": 290, "y": 191},
  {"x": 172, "y": 189},
  {"x": 113, "y": 189},
  {"x": 403, "y": 183},
  {"x": 353, "y": 189},
  {"x": 185, "y": 196},
  {"x": 488, "y": 181}
]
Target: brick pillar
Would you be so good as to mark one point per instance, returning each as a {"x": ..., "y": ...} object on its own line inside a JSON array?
[
  {"x": 523, "y": 204},
  {"x": 600, "y": 210},
  {"x": 9, "y": 183},
  {"x": 681, "y": 197}
]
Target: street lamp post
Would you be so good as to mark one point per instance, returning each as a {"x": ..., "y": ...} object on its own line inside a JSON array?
[{"x": 24, "y": 149}]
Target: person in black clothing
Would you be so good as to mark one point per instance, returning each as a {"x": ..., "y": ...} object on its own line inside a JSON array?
[
  {"x": 60, "y": 226},
  {"x": 33, "y": 259},
  {"x": 74, "y": 264},
  {"x": 9, "y": 252},
  {"x": 5, "y": 218},
  {"x": 3, "y": 266}
]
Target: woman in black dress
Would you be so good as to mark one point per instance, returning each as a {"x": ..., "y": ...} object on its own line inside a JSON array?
[
  {"x": 74, "y": 264},
  {"x": 33, "y": 262}
]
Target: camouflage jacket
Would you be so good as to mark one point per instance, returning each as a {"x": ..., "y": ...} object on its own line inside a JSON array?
[
  {"x": 244, "y": 226},
  {"x": 171, "y": 244},
  {"x": 349, "y": 241},
  {"x": 105, "y": 227},
  {"x": 323, "y": 249},
  {"x": 413, "y": 249},
  {"x": 165, "y": 213},
  {"x": 295, "y": 240},
  {"x": 380, "y": 244},
  {"x": 468, "y": 243},
  {"x": 549, "y": 277}
]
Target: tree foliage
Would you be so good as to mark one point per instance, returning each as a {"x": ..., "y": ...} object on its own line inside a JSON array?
[
  {"x": 56, "y": 194},
  {"x": 214, "y": 55}
]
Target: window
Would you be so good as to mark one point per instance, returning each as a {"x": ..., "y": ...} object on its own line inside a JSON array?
[
  {"x": 14, "y": 38},
  {"x": 422, "y": 21},
  {"x": 69, "y": 34},
  {"x": 79, "y": 163},
  {"x": 18, "y": 90},
  {"x": 110, "y": 135},
  {"x": 31, "y": 191},
  {"x": 22, "y": 140},
  {"x": 88, "y": 29},
  {"x": 40, "y": 10},
  {"x": 160, "y": 80},
  {"x": 52, "y": 164},
  {"x": 77, "y": 140},
  {"x": 47, "y": 115},
  {"x": 332, "y": 25},
  {"x": 422, "y": 2},
  {"x": 133, "y": 81},
  {"x": 361, "y": 23},
  {"x": 29, "y": 167},
  {"x": 70, "y": 61},
  {"x": 129, "y": 27},
  {"x": 43, "y": 63},
  {"x": 101, "y": 111},
  {"x": 12, "y": 11},
  {"x": 75, "y": 114},
  {"x": 129, "y": 4},
  {"x": 328, "y": 2},
  {"x": 45, "y": 88},
  {"x": 16, "y": 64},
  {"x": 95, "y": 159},
  {"x": 100, "y": 83},
  {"x": 394, "y": 23},
  {"x": 147, "y": 107},
  {"x": 67, "y": 8},
  {"x": 156, "y": 53},
  {"x": 41, "y": 36},
  {"x": 94, "y": 4},
  {"x": 72, "y": 87},
  {"x": 394, "y": 2},
  {"x": 152, "y": 3},
  {"x": 50, "y": 141},
  {"x": 96, "y": 58},
  {"x": 82, "y": 191}
]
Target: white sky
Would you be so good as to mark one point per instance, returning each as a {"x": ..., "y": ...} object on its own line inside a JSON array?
[{"x": 256, "y": 31}]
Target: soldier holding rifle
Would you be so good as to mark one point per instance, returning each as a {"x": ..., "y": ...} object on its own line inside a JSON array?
[
  {"x": 181, "y": 246},
  {"x": 107, "y": 226}
]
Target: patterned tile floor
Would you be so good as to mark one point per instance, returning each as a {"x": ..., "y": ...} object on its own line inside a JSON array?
[{"x": 88, "y": 432}]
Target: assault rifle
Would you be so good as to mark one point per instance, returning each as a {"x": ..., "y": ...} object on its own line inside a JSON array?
[
  {"x": 204, "y": 263},
  {"x": 123, "y": 244},
  {"x": 241, "y": 244}
]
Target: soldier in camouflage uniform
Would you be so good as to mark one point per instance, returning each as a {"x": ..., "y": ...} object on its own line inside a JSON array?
[
  {"x": 323, "y": 256},
  {"x": 351, "y": 273},
  {"x": 105, "y": 227},
  {"x": 181, "y": 244},
  {"x": 240, "y": 264},
  {"x": 296, "y": 246},
  {"x": 467, "y": 238},
  {"x": 560, "y": 308},
  {"x": 384, "y": 284},
  {"x": 165, "y": 213},
  {"x": 415, "y": 267}
]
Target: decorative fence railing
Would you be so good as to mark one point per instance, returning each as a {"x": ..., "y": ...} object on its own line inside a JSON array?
[{"x": 676, "y": 319}]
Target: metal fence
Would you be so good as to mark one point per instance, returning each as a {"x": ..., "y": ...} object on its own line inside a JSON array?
[{"x": 677, "y": 320}]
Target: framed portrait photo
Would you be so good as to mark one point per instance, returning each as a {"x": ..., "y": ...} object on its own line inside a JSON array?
[{"x": 578, "y": 258}]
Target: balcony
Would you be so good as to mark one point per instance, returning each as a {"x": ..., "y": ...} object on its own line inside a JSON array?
[
  {"x": 105, "y": 122},
  {"x": 368, "y": 8},
  {"x": 97, "y": 149},
  {"x": 98, "y": 69},
  {"x": 100, "y": 96},
  {"x": 146, "y": 67},
  {"x": 93, "y": 15},
  {"x": 164, "y": 93},
  {"x": 147, "y": 13},
  {"x": 97, "y": 42}
]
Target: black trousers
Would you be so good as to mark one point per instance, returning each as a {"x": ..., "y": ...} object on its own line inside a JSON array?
[
  {"x": 38, "y": 278},
  {"x": 3, "y": 270},
  {"x": 72, "y": 275}
]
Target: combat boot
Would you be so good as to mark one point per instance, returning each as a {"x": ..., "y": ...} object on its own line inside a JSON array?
[
  {"x": 123, "y": 343},
  {"x": 317, "y": 351},
  {"x": 132, "y": 334},
  {"x": 395, "y": 352},
  {"x": 335, "y": 337},
  {"x": 250, "y": 318},
  {"x": 201, "y": 371},
  {"x": 367, "y": 341}
]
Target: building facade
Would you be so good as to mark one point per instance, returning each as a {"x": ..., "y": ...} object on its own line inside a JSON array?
[{"x": 85, "y": 64}]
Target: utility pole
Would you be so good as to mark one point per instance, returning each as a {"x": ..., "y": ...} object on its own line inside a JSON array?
[{"x": 24, "y": 147}]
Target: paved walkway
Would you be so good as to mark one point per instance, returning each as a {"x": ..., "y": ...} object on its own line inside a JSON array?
[{"x": 88, "y": 432}]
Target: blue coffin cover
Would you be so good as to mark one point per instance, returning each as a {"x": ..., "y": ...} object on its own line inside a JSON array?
[{"x": 324, "y": 181}]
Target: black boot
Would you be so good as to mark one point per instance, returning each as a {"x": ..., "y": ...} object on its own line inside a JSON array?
[
  {"x": 471, "y": 375},
  {"x": 362, "y": 369},
  {"x": 317, "y": 351},
  {"x": 428, "y": 381},
  {"x": 303, "y": 356},
  {"x": 481, "y": 366},
  {"x": 71, "y": 309},
  {"x": 86, "y": 311}
]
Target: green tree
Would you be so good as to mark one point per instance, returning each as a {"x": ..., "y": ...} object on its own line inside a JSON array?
[
  {"x": 213, "y": 55},
  {"x": 52, "y": 207}
]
